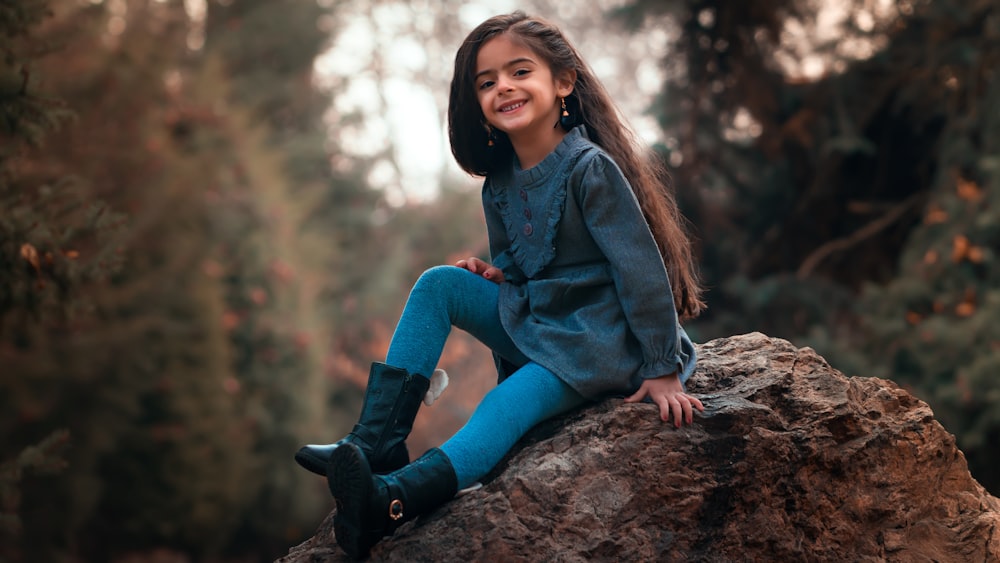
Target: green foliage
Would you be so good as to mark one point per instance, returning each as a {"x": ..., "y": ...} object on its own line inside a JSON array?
[
  {"x": 852, "y": 210},
  {"x": 45, "y": 457},
  {"x": 52, "y": 239},
  {"x": 169, "y": 342},
  {"x": 113, "y": 370},
  {"x": 269, "y": 48},
  {"x": 934, "y": 327},
  {"x": 25, "y": 115}
]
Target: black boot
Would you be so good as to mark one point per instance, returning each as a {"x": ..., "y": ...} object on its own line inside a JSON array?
[
  {"x": 370, "y": 507},
  {"x": 391, "y": 402}
]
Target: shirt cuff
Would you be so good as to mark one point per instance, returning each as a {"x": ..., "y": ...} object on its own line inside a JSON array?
[{"x": 662, "y": 367}]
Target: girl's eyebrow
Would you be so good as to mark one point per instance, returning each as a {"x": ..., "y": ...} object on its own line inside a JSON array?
[{"x": 509, "y": 64}]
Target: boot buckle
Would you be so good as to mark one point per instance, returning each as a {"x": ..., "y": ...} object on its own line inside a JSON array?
[{"x": 396, "y": 509}]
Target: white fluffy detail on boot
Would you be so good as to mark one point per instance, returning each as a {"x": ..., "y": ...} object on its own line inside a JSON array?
[
  {"x": 473, "y": 487},
  {"x": 438, "y": 382}
]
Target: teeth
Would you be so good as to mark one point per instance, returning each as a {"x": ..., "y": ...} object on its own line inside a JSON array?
[{"x": 511, "y": 107}]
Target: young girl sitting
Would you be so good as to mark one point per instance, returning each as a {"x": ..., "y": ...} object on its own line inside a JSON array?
[{"x": 591, "y": 271}]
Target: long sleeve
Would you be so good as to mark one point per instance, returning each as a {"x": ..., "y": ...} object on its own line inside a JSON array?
[{"x": 614, "y": 219}]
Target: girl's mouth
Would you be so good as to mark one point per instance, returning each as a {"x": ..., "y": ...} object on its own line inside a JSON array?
[{"x": 510, "y": 107}]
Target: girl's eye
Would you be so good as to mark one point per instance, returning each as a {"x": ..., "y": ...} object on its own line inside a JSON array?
[
  {"x": 485, "y": 84},
  {"x": 521, "y": 72}
]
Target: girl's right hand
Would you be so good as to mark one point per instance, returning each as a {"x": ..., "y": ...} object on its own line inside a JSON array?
[
  {"x": 477, "y": 266},
  {"x": 668, "y": 393}
]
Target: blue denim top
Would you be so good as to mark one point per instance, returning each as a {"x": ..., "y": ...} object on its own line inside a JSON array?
[{"x": 587, "y": 294}]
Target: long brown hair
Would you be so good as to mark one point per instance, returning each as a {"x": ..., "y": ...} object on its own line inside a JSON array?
[{"x": 605, "y": 126}]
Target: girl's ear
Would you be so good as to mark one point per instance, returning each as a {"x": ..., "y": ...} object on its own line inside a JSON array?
[{"x": 565, "y": 82}]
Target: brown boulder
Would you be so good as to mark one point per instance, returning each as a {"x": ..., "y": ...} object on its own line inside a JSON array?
[{"x": 790, "y": 461}]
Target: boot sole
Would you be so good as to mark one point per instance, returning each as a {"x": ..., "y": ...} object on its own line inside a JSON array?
[
  {"x": 350, "y": 481},
  {"x": 317, "y": 463},
  {"x": 311, "y": 462}
]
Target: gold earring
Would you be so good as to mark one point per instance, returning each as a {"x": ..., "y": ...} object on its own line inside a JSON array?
[
  {"x": 489, "y": 134},
  {"x": 564, "y": 113}
]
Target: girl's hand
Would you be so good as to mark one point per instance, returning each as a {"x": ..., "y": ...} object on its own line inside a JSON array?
[
  {"x": 668, "y": 393},
  {"x": 477, "y": 266}
]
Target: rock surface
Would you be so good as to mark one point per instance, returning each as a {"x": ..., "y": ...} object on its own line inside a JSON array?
[{"x": 791, "y": 461}]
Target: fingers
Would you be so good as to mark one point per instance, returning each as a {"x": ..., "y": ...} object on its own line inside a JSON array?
[
  {"x": 477, "y": 266},
  {"x": 664, "y": 403},
  {"x": 697, "y": 404},
  {"x": 686, "y": 408},
  {"x": 672, "y": 403},
  {"x": 498, "y": 276},
  {"x": 680, "y": 407},
  {"x": 637, "y": 396},
  {"x": 678, "y": 412},
  {"x": 482, "y": 268},
  {"x": 474, "y": 265}
]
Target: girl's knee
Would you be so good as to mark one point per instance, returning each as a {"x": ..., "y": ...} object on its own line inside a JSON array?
[{"x": 440, "y": 276}]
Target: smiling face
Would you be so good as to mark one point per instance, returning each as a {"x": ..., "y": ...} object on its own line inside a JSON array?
[{"x": 518, "y": 93}]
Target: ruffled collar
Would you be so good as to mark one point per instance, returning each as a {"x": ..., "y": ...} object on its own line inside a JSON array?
[
  {"x": 531, "y": 202},
  {"x": 539, "y": 172}
]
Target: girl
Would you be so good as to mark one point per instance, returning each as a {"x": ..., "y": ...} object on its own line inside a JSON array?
[{"x": 590, "y": 273}]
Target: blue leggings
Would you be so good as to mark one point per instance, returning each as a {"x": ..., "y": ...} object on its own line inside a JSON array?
[{"x": 447, "y": 296}]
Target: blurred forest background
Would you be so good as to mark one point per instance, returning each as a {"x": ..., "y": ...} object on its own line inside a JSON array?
[{"x": 211, "y": 212}]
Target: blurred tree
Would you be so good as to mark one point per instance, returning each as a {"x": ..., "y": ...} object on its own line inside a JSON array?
[
  {"x": 52, "y": 238},
  {"x": 187, "y": 380},
  {"x": 933, "y": 327},
  {"x": 317, "y": 210},
  {"x": 138, "y": 379},
  {"x": 828, "y": 170},
  {"x": 46, "y": 456},
  {"x": 53, "y": 241}
]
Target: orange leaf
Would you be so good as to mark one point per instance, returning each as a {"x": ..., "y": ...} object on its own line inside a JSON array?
[
  {"x": 935, "y": 215},
  {"x": 965, "y": 309},
  {"x": 231, "y": 385},
  {"x": 968, "y": 190},
  {"x": 258, "y": 296},
  {"x": 230, "y": 320},
  {"x": 30, "y": 254},
  {"x": 959, "y": 248},
  {"x": 968, "y": 305}
]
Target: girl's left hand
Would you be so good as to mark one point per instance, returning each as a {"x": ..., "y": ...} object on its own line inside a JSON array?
[
  {"x": 668, "y": 393},
  {"x": 477, "y": 266}
]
